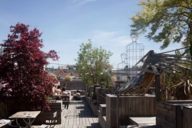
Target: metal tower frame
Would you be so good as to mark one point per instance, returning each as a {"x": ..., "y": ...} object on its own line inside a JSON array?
[{"x": 134, "y": 52}]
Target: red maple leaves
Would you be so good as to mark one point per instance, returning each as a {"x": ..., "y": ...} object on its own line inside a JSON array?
[{"x": 22, "y": 66}]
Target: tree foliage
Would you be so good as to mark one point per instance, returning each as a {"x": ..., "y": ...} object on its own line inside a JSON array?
[
  {"x": 22, "y": 67},
  {"x": 93, "y": 65},
  {"x": 167, "y": 21}
]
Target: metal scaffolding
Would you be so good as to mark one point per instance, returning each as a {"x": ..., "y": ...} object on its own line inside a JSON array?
[{"x": 134, "y": 51}]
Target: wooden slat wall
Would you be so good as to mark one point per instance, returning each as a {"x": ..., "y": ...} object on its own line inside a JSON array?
[
  {"x": 101, "y": 95},
  {"x": 135, "y": 106},
  {"x": 44, "y": 116},
  {"x": 174, "y": 114},
  {"x": 111, "y": 111},
  {"x": 166, "y": 115},
  {"x": 74, "y": 85},
  {"x": 92, "y": 105},
  {"x": 102, "y": 115},
  {"x": 187, "y": 117}
]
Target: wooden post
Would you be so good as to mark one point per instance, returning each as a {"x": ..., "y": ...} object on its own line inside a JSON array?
[
  {"x": 111, "y": 111},
  {"x": 157, "y": 87},
  {"x": 118, "y": 109}
]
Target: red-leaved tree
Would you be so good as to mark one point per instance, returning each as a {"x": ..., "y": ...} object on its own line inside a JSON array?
[{"x": 22, "y": 64}]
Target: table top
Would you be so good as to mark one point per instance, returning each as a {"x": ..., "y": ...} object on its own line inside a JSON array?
[
  {"x": 4, "y": 122},
  {"x": 144, "y": 120},
  {"x": 25, "y": 114}
]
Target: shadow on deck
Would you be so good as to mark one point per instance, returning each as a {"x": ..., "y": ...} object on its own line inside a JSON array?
[{"x": 78, "y": 115}]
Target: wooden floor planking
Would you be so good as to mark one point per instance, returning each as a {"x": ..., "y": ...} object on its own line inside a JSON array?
[{"x": 78, "y": 115}]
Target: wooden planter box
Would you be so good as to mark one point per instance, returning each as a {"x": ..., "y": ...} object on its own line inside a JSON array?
[
  {"x": 102, "y": 115},
  {"x": 128, "y": 106},
  {"x": 187, "y": 117},
  {"x": 174, "y": 114},
  {"x": 93, "y": 106},
  {"x": 101, "y": 95},
  {"x": 50, "y": 117}
]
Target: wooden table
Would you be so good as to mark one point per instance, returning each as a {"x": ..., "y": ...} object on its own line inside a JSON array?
[
  {"x": 28, "y": 117},
  {"x": 4, "y": 122},
  {"x": 144, "y": 121}
]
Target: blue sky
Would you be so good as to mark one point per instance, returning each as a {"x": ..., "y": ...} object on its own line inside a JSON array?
[{"x": 66, "y": 24}]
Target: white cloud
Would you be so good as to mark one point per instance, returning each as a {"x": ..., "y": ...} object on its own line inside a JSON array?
[
  {"x": 110, "y": 38},
  {"x": 112, "y": 41},
  {"x": 82, "y": 2}
]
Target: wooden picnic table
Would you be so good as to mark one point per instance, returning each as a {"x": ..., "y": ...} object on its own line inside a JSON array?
[{"x": 28, "y": 117}]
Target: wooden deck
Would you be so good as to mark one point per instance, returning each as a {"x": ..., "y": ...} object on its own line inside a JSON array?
[{"x": 78, "y": 115}]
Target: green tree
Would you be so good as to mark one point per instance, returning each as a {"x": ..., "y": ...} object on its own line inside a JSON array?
[
  {"x": 93, "y": 64},
  {"x": 166, "y": 21}
]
